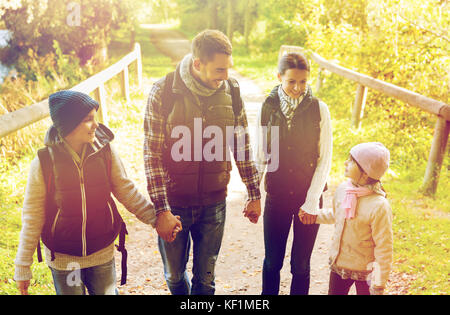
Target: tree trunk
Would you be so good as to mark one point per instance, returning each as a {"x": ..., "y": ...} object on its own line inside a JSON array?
[
  {"x": 212, "y": 21},
  {"x": 248, "y": 6},
  {"x": 230, "y": 26}
]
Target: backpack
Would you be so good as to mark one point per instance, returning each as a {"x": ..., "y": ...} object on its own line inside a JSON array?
[
  {"x": 168, "y": 97},
  {"x": 46, "y": 163}
]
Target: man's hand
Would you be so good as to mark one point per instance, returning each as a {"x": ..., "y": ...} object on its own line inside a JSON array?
[
  {"x": 23, "y": 286},
  {"x": 306, "y": 218},
  {"x": 252, "y": 210},
  {"x": 168, "y": 225}
]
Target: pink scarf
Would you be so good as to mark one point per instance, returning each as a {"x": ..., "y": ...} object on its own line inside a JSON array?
[{"x": 350, "y": 200}]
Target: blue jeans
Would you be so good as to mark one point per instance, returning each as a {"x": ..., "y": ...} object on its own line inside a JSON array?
[
  {"x": 205, "y": 225},
  {"x": 99, "y": 280},
  {"x": 278, "y": 216}
]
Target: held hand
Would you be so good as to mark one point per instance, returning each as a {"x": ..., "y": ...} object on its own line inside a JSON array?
[
  {"x": 306, "y": 218},
  {"x": 252, "y": 210},
  {"x": 168, "y": 225},
  {"x": 23, "y": 286},
  {"x": 177, "y": 229}
]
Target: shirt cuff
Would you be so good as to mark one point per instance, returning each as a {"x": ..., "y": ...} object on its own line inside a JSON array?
[
  {"x": 253, "y": 192},
  {"x": 311, "y": 207},
  {"x": 22, "y": 273},
  {"x": 161, "y": 206}
]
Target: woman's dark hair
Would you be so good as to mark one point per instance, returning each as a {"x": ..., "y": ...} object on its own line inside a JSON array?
[{"x": 292, "y": 61}]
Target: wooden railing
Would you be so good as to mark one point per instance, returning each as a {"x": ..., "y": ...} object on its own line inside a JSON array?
[
  {"x": 28, "y": 115},
  {"x": 437, "y": 108}
]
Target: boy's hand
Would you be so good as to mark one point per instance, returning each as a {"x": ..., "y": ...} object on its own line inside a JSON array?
[
  {"x": 167, "y": 224},
  {"x": 177, "y": 229},
  {"x": 23, "y": 286},
  {"x": 252, "y": 210}
]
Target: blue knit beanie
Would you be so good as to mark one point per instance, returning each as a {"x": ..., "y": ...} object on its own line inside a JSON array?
[{"x": 68, "y": 109}]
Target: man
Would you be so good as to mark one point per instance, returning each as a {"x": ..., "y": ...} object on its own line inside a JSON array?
[{"x": 186, "y": 176}]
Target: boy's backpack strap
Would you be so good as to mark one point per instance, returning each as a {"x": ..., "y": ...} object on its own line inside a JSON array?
[
  {"x": 121, "y": 248},
  {"x": 45, "y": 160},
  {"x": 107, "y": 156}
]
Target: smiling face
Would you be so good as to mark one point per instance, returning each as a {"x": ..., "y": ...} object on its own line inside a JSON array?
[
  {"x": 85, "y": 131},
  {"x": 293, "y": 82},
  {"x": 212, "y": 73}
]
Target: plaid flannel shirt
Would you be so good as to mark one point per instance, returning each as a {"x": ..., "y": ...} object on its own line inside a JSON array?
[{"x": 154, "y": 124}]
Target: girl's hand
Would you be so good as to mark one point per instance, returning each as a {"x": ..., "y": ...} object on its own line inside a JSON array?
[
  {"x": 23, "y": 286},
  {"x": 307, "y": 218}
]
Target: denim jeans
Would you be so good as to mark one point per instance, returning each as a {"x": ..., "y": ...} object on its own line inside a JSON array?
[
  {"x": 205, "y": 225},
  {"x": 278, "y": 216},
  {"x": 99, "y": 280}
]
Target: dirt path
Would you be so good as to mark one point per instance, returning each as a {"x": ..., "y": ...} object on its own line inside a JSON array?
[{"x": 239, "y": 266}]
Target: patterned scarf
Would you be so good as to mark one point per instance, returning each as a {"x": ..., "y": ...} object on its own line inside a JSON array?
[
  {"x": 196, "y": 87},
  {"x": 288, "y": 105}
]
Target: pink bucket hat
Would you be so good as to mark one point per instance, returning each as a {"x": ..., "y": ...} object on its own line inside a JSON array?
[{"x": 373, "y": 157}]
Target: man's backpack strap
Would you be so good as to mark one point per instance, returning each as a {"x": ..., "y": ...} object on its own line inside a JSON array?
[
  {"x": 168, "y": 97},
  {"x": 235, "y": 96},
  {"x": 47, "y": 171}
]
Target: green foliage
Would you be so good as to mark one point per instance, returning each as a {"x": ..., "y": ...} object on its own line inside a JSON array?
[{"x": 82, "y": 27}]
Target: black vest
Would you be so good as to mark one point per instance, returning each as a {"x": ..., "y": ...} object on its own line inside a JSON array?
[{"x": 298, "y": 146}]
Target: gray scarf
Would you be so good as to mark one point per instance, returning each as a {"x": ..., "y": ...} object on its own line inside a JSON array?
[{"x": 196, "y": 87}]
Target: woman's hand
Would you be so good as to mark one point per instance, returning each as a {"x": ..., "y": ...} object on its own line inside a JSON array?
[{"x": 307, "y": 218}]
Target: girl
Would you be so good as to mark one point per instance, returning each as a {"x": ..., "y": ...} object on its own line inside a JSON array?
[
  {"x": 303, "y": 155},
  {"x": 361, "y": 248},
  {"x": 68, "y": 202}
]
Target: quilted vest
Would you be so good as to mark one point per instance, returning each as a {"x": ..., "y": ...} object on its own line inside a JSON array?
[
  {"x": 298, "y": 146},
  {"x": 194, "y": 176},
  {"x": 81, "y": 216}
]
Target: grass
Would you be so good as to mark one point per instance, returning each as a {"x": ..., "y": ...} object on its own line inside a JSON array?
[{"x": 126, "y": 121}]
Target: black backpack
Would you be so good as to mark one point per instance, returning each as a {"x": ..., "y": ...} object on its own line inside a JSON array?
[{"x": 46, "y": 163}]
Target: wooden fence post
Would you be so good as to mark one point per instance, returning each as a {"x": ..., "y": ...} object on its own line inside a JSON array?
[
  {"x": 319, "y": 80},
  {"x": 100, "y": 97},
  {"x": 358, "y": 106},
  {"x": 137, "y": 48},
  {"x": 125, "y": 84},
  {"x": 437, "y": 152}
]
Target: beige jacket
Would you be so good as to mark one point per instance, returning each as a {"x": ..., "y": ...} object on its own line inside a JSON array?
[
  {"x": 365, "y": 242},
  {"x": 33, "y": 218}
]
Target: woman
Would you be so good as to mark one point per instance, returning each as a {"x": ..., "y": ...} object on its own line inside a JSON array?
[
  {"x": 68, "y": 202},
  {"x": 303, "y": 152}
]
